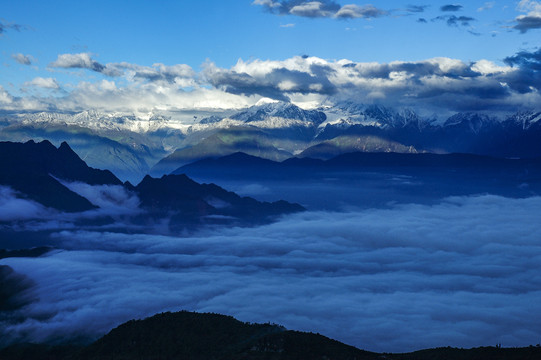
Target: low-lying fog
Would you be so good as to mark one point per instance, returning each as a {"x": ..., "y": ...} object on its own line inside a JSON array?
[{"x": 465, "y": 271}]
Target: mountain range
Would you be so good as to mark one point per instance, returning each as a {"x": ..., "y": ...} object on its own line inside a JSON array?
[
  {"x": 133, "y": 146},
  {"x": 57, "y": 179}
]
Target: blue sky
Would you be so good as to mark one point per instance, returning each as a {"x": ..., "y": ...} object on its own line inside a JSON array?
[{"x": 198, "y": 33}]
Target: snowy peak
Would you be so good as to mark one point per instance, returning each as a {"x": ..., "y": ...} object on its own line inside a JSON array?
[
  {"x": 96, "y": 120},
  {"x": 470, "y": 122},
  {"x": 348, "y": 113},
  {"x": 524, "y": 119},
  {"x": 280, "y": 110}
]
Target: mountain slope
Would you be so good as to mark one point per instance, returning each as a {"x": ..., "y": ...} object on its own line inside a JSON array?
[
  {"x": 228, "y": 141},
  {"x": 188, "y": 203},
  {"x": 33, "y": 168},
  {"x": 203, "y": 336},
  {"x": 346, "y": 144}
]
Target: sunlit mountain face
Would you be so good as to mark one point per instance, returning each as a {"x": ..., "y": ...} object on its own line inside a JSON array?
[{"x": 368, "y": 172}]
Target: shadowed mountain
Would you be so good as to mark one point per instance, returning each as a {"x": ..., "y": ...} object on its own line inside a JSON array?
[
  {"x": 346, "y": 144},
  {"x": 32, "y": 168},
  {"x": 240, "y": 164},
  {"x": 188, "y": 203},
  {"x": 224, "y": 142},
  {"x": 195, "y": 336},
  {"x": 13, "y": 290},
  {"x": 373, "y": 179}
]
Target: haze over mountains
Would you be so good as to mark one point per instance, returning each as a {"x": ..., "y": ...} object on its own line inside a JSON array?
[
  {"x": 45, "y": 182},
  {"x": 132, "y": 146}
]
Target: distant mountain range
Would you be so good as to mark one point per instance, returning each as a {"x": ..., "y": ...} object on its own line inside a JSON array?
[
  {"x": 132, "y": 146},
  {"x": 197, "y": 336},
  {"x": 372, "y": 179},
  {"x": 45, "y": 174}
]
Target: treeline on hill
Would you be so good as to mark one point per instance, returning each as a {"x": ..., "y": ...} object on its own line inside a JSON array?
[{"x": 194, "y": 336}]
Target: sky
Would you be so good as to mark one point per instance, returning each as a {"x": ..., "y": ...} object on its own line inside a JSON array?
[{"x": 142, "y": 56}]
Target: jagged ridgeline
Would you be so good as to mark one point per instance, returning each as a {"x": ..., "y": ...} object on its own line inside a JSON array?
[
  {"x": 132, "y": 146},
  {"x": 53, "y": 178}
]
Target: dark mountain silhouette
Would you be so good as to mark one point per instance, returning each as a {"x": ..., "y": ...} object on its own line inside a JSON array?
[
  {"x": 188, "y": 202},
  {"x": 441, "y": 175},
  {"x": 33, "y": 168},
  {"x": 194, "y": 336},
  {"x": 13, "y": 290},
  {"x": 239, "y": 163},
  {"x": 35, "y": 171}
]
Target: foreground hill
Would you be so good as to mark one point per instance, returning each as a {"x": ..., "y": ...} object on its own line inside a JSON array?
[{"x": 193, "y": 336}]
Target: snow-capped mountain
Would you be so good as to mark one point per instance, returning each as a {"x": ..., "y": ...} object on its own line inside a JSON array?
[
  {"x": 524, "y": 120},
  {"x": 280, "y": 113},
  {"x": 95, "y": 120},
  {"x": 131, "y": 144},
  {"x": 346, "y": 114},
  {"x": 471, "y": 122}
]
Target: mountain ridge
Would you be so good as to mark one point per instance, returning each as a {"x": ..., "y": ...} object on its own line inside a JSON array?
[{"x": 202, "y": 336}]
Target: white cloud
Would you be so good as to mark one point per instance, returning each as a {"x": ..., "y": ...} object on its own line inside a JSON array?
[
  {"x": 532, "y": 6},
  {"x": 310, "y": 9},
  {"x": 355, "y": 11},
  {"x": 81, "y": 60},
  {"x": 464, "y": 273},
  {"x": 487, "y": 6},
  {"x": 5, "y": 97},
  {"x": 44, "y": 83},
  {"x": 23, "y": 59},
  {"x": 15, "y": 208},
  {"x": 438, "y": 84},
  {"x": 321, "y": 8},
  {"x": 111, "y": 199},
  {"x": 269, "y": 3},
  {"x": 530, "y": 21}
]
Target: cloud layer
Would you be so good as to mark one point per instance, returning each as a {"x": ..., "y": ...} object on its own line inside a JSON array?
[
  {"x": 463, "y": 273},
  {"x": 321, "y": 8},
  {"x": 437, "y": 84}
]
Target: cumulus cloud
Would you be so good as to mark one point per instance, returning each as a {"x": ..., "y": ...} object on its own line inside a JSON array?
[
  {"x": 272, "y": 79},
  {"x": 77, "y": 61},
  {"x": 464, "y": 272},
  {"x": 433, "y": 84},
  {"x": 180, "y": 74},
  {"x": 321, "y": 8},
  {"x": 525, "y": 60},
  {"x": 44, "y": 83},
  {"x": 448, "y": 82},
  {"x": 530, "y": 21},
  {"x": 451, "y": 7},
  {"x": 23, "y": 59}
]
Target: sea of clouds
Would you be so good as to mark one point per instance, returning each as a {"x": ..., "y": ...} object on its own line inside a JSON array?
[{"x": 465, "y": 272}]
